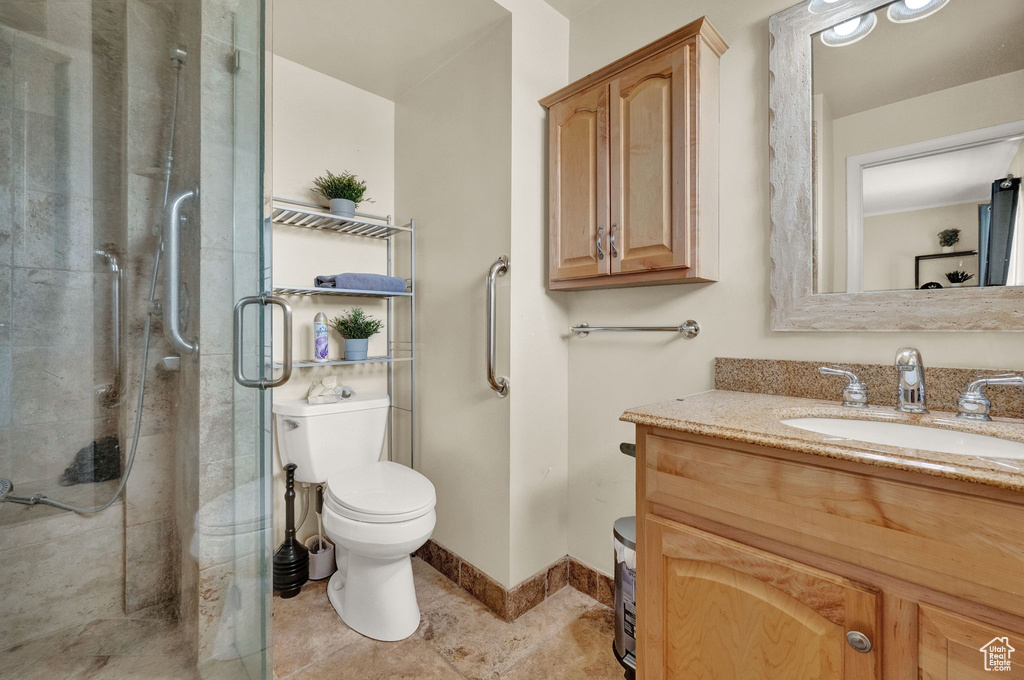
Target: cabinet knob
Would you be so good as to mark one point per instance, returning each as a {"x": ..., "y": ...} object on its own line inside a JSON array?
[{"x": 859, "y": 641}]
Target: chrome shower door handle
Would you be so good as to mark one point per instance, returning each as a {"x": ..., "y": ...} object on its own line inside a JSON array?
[
  {"x": 172, "y": 275},
  {"x": 239, "y": 348},
  {"x": 600, "y": 250},
  {"x": 113, "y": 394},
  {"x": 499, "y": 385}
]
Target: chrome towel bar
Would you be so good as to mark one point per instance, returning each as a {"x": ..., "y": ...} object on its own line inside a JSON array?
[{"x": 688, "y": 329}]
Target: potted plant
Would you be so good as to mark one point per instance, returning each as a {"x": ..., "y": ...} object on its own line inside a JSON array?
[
  {"x": 949, "y": 238},
  {"x": 958, "y": 278},
  {"x": 357, "y": 329},
  {"x": 345, "y": 192}
]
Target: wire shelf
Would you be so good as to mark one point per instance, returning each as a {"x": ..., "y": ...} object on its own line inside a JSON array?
[
  {"x": 342, "y": 362},
  {"x": 314, "y": 219},
  {"x": 304, "y": 291}
]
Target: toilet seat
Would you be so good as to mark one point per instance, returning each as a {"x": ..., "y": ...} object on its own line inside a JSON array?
[{"x": 379, "y": 493}]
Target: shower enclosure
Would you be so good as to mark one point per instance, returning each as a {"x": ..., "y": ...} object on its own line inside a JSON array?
[{"x": 135, "y": 522}]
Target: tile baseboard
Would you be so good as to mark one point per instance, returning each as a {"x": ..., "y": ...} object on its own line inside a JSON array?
[{"x": 509, "y": 604}]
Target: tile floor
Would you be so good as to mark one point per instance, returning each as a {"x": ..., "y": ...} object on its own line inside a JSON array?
[{"x": 567, "y": 637}]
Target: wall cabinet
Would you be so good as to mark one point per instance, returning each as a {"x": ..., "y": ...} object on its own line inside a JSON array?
[
  {"x": 759, "y": 564},
  {"x": 634, "y": 167}
]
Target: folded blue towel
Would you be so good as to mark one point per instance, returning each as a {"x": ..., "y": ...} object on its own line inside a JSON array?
[{"x": 354, "y": 281}]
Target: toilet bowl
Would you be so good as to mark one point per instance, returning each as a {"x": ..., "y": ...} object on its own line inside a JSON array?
[
  {"x": 377, "y": 515},
  {"x": 375, "y": 512}
]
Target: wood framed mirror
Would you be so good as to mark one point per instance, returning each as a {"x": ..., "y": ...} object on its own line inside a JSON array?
[{"x": 897, "y": 133}]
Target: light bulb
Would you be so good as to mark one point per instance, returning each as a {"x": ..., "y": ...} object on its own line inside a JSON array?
[{"x": 847, "y": 27}]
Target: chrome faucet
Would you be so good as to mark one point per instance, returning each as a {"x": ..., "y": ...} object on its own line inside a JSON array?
[
  {"x": 910, "y": 397},
  {"x": 855, "y": 394},
  {"x": 972, "y": 404}
]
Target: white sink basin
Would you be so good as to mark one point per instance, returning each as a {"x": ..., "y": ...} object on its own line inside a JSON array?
[{"x": 911, "y": 437}]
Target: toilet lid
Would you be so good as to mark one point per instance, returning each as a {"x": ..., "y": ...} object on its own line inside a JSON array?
[{"x": 380, "y": 491}]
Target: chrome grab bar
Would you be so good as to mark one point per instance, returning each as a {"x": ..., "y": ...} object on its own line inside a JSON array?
[
  {"x": 239, "y": 322},
  {"x": 172, "y": 275},
  {"x": 499, "y": 385},
  {"x": 688, "y": 329},
  {"x": 113, "y": 393}
]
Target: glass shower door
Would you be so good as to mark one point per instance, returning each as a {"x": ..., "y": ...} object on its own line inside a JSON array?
[{"x": 134, "y": 489}]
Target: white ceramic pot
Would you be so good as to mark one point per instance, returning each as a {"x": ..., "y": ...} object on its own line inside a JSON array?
[
  {"x": 342, "y": 207},
  {"x": 947, "y": 249}
]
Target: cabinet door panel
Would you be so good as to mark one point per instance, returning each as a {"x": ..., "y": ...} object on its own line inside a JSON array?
[
  {"x": 951, "y": 648},
  {"x": 713, "y": 609},
  {"x": 649, "y": 156},
  {"x": 579, "y": 186}
]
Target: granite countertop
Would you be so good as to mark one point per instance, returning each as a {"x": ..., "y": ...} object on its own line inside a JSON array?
[{"x": 754, "y": 419}]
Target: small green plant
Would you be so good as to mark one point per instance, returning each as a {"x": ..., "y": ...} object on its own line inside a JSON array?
[
  {"x": 949, "y": 237},
  {"x": 959, "y": 276},
  {"x": 355, "y": 325},
  {"x": 346, "y": 185}
]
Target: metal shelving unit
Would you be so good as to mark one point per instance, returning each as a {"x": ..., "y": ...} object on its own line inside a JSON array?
[{"x": 310, "y": 216}]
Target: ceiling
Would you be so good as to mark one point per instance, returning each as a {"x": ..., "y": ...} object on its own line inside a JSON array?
[
  {"x": 965, "y": 41},
  {"x": 570, "y": 9},
  {"x": 381, "y": 47},
  {"x": 951, "y": 178}
]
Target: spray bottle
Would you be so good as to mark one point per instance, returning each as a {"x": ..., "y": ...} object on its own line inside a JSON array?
[{"x": 320, "y": 337}]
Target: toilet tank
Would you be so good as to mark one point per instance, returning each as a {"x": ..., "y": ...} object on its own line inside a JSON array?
[{"x": 324, "y": 438}]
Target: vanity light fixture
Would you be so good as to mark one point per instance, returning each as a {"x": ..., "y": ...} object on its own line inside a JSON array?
[
  {"x": 824, "y": 6},
  {"x": 905, "y": 11},
  {"x": 850, "y": 31}
]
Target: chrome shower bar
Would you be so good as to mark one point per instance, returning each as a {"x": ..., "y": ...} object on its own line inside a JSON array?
[
  {"x": 172, "y": 282},
  {"x": 688, "y": 329},
  {"x": 499, "y": 385}
]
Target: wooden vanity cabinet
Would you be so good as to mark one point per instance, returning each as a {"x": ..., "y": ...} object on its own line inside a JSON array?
[
  {"x": 633, "y": 167},
  {"x": 764, "y": 564}
]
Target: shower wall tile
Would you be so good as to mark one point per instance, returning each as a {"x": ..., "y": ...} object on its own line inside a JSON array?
[
  {"x": 149, "y": 494},
  {"x": 5, "y": 459},
  {"x": 6, "y": 384},
  {"x": 7, "y": 214},
  {"x": 53, "y": 231},
  {"x": 44, "y": 452},
  {"x": 150, "y": 549},
  {"x": 5, "y": 305},
  {"x": 216, "y": 392},
  {"x": 61, "y": 582},
  {"x": 45, "y": 388},
  {"x": 214, "y": 583},
  {"x": 216, "y": 301},
  {"x": 54, "y": 309},
  {"x": 55, "y": 528}
]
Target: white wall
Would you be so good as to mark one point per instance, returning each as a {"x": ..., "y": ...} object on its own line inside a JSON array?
[
  {"x": 539, "y": 359},
  {"x": 453, "y": 139},
  {"x": 893, "y": 241},
  {"x": 320, "y": 123},
  {"x": 608, "y": 374}
]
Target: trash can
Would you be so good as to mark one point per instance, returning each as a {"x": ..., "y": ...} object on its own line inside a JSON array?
[{"x": 625, "y": 594}]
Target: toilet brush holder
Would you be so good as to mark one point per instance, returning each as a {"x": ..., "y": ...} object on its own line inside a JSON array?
[
  {"x": 291, "y": 561},
  {"x": 321, "y": 564}
]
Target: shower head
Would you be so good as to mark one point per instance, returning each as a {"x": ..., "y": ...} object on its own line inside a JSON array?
[
  {"x": 178, "y": 56},
  {"x": 5, "y": 488}
]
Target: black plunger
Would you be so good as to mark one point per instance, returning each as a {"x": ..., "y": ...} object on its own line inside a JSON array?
[{"x": 291, "y": 561}]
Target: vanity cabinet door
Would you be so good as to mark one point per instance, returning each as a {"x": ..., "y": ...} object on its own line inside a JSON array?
[
  {"x": 579, "y": 186},
  {"x": 952, "y": 647},
  {"x": 719, "y": 610},
  {"x": 650, "y": 149}
]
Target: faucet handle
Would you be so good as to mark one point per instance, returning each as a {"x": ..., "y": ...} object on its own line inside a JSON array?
[
  {"x": 972, "y": 404},
  {"x": 855, "y": 394}
]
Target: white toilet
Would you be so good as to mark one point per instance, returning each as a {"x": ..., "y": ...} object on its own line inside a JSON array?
[{"x": 376, "y": 512}]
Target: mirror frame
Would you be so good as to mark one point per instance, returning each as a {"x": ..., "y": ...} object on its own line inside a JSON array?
[{"x": 795, "y": 305}]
